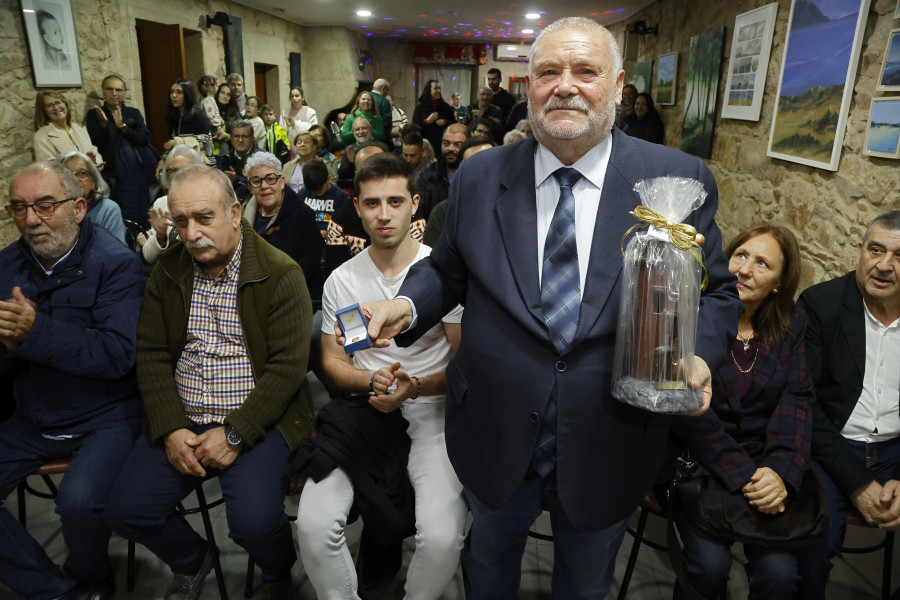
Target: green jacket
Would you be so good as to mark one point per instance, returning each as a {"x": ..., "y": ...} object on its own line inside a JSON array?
[{"x": 276, "y": 317}]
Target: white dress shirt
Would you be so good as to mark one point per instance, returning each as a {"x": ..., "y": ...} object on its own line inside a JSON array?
[
  {"x": 876, "y": 416},
  {"x": 592, "y": 167}
]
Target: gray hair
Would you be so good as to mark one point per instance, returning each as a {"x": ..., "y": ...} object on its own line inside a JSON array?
[
  {"x": 241, "y": 123},
  {"x": 507, "y": 137},
  {"x": 179, "y": 150},
  {"x": 67, "y": 179},
  {"x": 585, "y": 25},
  {"x": 380, "y": 84},
  {"x": 234, "y": 77},
  {"x": 192, "y": 172},
  {"x": 889, "y": 220},
  {"x": 262, "y": 159},
  {"x": 361, "y": 118},
  {"x": 100, "y": 185}
]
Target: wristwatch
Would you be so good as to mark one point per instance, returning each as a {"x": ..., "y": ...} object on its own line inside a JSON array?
[{"x": 233, "y": 438}]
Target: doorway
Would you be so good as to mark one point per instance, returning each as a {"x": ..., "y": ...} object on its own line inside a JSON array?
[{"x": 161, "y": 54}]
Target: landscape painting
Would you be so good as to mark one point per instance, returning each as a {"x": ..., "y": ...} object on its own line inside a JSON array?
[
  {"x": 749, "y": 63},
  {"x": 816, "y": 87},
  {"x": 666, "y": 71},
  {"x": 643, "y": 75},
  {"x": 890, "y": 68},
  {"x": 701, "y": 93},
  {"x": 883, "y": 134}
]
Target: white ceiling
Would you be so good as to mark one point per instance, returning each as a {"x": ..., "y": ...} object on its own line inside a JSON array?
[{"x": 451, "y": 20}]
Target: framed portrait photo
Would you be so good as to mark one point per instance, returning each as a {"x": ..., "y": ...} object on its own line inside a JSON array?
[
  {"x": 883, "y": 132},
  {"x": 749, "y": 63},
  {"x": 52, "y": 42},
  {"x": 889, "y": 81},
  {"x": 897, "y": 10}
]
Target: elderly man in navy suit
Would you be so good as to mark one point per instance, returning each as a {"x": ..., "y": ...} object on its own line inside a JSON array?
[{"x": 531, "y": 248}]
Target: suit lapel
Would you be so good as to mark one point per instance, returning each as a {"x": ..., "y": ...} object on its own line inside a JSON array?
[
  {"x": 617, "y": 199},
  {"x": 766, "y": 364},
  {"x": 853, "y": 326},
  {"x": 517, "y": 220}
]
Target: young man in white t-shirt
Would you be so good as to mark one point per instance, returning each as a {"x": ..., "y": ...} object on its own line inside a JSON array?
[{"x": 411, "y": 379}]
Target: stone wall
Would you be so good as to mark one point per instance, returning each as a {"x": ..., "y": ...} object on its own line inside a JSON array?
[
  {"x": 827, "y": 211},
  {"x": 107, "y": 42}
]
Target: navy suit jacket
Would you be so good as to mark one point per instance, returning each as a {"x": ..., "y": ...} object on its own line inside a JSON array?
[
  {"x": 506, "y": 366},
  {"x": 836, "y": 349}
]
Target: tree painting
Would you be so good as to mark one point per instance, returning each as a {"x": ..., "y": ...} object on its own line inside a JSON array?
[{"x": 701, "y": 93}]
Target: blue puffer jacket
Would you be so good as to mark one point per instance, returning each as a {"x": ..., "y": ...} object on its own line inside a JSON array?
[{"x": 74, "y": 373}]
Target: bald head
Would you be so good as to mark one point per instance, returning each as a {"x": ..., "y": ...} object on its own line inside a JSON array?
[
  {"x": 485, "y": 96},
  {"x": 365, "y": 153},
  {"x": 454, "y": 137}
]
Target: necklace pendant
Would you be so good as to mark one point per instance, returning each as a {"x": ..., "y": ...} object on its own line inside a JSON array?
[{"x": 746, "y": 346}]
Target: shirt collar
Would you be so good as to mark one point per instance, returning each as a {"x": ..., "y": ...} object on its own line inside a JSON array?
[
  {"x": 592, "y": 165},
  {"x": 49, "y": 271},
  {"x": 878, "y": 324}
]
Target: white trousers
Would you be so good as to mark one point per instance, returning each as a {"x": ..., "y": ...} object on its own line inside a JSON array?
[{"x": 440, "y": 517}]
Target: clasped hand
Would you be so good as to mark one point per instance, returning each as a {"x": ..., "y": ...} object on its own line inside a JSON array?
[
  {"x": 383, "y": 380},
  {"x": 879, "y": 505},
  {"x": 189, "y": 453},
  {"x": 766, "y": 491},
  {"x": 16, "y": 319}
]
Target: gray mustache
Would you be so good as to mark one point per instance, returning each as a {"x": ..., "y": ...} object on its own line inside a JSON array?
[
  {"x": 203, "y": 242},
  {"x": 571, "y": 103}
]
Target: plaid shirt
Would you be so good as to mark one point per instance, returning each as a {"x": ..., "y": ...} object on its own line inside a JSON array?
[
  {"x": 776, "y": 410},
  {"x": 214, "y": 374}
]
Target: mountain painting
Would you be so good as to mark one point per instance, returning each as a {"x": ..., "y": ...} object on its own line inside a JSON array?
[
  {"x": 816, "y": 87},
  {"x": 890, "y": 70}
]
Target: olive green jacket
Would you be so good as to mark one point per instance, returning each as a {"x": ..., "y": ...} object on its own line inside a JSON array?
[{"x": 276, "y": 317}]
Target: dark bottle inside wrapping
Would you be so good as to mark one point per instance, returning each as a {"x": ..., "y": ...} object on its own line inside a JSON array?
[{"x": 649, "y": 345}]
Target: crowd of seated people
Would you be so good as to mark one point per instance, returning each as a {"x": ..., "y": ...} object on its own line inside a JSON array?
[{"x": 268, "y": 227}]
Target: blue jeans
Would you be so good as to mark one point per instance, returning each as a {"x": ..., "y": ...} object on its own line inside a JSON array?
[
  {"x": 882, "y": 460},
  {"x": 97, "y": 458},
  {"x": 771, "y": 573},
  {"x": 142, "y": 503},
  {"x": 584, "y": 561}
]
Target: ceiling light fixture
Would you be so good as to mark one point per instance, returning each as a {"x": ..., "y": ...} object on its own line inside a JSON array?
[
  {"x": 533, "y": 16},
  {"x": 528, "y": 31},
  {"x": 364, "y": 13}
]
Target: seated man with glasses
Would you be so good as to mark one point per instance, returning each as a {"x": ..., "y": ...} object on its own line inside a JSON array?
[
  {"x": 223, "y": 342},
  {"x": 234, "y": 154},
  {"x": 68, "y": 332}
]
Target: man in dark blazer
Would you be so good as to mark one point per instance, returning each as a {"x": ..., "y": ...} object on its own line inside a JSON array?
[
  {"x": 508, "y": 370},
  {"x": 853, "y": 349}
]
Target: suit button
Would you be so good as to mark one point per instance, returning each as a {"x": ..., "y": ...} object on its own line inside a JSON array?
[
  {"x": 534, "y": 417},
  {"x": 561, "y": 366}
]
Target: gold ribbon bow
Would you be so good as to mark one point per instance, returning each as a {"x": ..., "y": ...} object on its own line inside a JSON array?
[{"x": 681, "y": 235}]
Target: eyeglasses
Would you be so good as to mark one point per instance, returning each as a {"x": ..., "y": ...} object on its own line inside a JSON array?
[
  {"x": 271, "y": 179},
  {"x": 113, "y": 90},
  {"x": 54, "y": 104},
  {"x": 82, "y": 174},
  {"x": 44, "y": 209}
]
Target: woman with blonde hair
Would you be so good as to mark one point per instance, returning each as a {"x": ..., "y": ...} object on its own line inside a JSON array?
[{"x": 55, "y": 133}]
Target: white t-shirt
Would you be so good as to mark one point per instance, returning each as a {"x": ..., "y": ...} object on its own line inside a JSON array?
[{"x": 358, "y": 280}]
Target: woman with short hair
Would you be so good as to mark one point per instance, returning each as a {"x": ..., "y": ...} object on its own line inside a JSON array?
[
  {"x": 100, "y": 209},
  {"x": 55, "y": 133}
]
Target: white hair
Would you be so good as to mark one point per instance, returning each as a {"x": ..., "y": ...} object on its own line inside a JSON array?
[{"x": 580, "y": 24}]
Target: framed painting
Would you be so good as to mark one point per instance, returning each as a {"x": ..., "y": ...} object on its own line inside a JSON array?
[
  {"x": 666, "y": 74},
  {"x": 897, "y": 10},
  {"x": 702, "y": 92},
  {"x": 749, "y": 63},
  {"x": 883, "y": 132},
  {"x": 643, "y": 75},
  {"x": 52, "y": 43},
  {"x": 816, "y": 87},
  {"x": 889, "y": 81}
]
